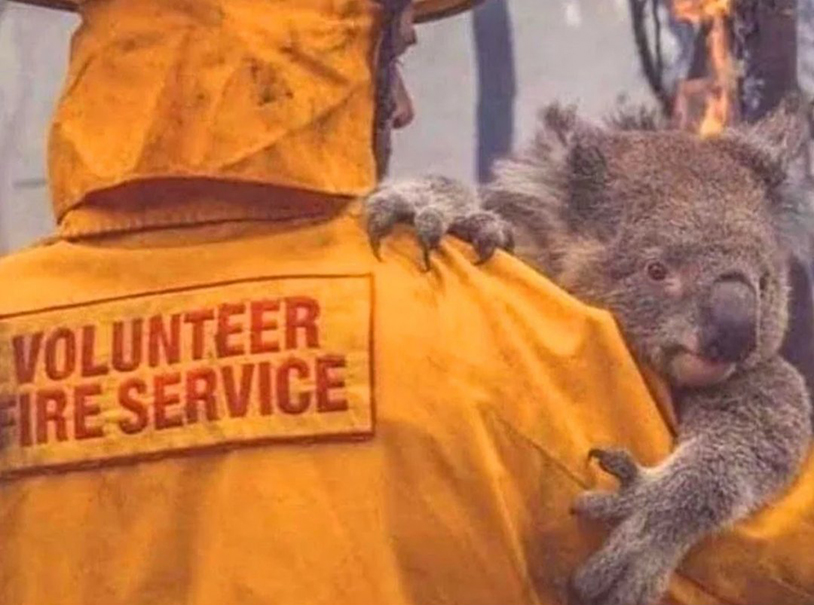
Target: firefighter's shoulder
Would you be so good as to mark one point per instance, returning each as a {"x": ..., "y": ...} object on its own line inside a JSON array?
[{"x": 552, "y": 368}]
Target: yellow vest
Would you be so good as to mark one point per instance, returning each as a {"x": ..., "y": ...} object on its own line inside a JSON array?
[{"x": 261, "y": 412}]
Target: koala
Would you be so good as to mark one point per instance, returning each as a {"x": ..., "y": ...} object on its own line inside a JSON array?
[{"x": 687, "y": 242}]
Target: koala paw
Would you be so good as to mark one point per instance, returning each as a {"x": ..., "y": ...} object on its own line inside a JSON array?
[
  {"x": 631, "y": 569},
  {"x": 434, "y": 207},
  {"x": 617, "y": 462},
  {"x": 486, "y": 231},
  {"x": 611, "y": 506}
]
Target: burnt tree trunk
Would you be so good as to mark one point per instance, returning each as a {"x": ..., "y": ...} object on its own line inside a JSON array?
[
  {"x": 767, "y": 33},
  {"x": 768, "y": 44}
]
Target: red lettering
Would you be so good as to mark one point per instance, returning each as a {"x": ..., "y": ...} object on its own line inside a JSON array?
[
  {"x": 26, "y": 430},
  {"x": 138, "y": 423},
  {"x": 264, "y": 369},
  {"x": 226, "y": 329},
  {"x": 201, "y": 385},
  {"x": 259, "y": 325},
  {"x": 163, "y": 400},
  {"x": 89, "y": 366},
  {"x": 160, "y": 339},
  {"x": 301, "y": 313},
  {"x": 51, "y": 414},
  {"x": 118, "y": 360},
  {"x": 326, "y": 383},
  {"x": 84, "y": 409},
  {"x": 7, "y": 421},
  {"x": 25, "y": 365},
  {"x": 59, "y": 367},
  {"x": 284, "y": 400},
  {"x": 238, "y": 402},
  {"x": 198, "y": 319}
]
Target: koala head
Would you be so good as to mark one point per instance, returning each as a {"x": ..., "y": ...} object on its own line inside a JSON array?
[{"x": 686, "y": 240}]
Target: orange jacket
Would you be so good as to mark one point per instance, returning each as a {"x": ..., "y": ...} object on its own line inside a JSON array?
[
  {"x": 211, "y": 393},
  {"x": 260, "y": 412}
]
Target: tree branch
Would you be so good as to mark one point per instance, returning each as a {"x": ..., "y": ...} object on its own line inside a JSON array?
[{"x": 652, "y": 68}]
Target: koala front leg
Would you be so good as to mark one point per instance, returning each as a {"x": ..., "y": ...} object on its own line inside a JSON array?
[
  {"x": 632, "y": 568},
  {"x": 741, "y": 443},
  {"x": 660, "y": 513},
  {"x": 435, "y": 206}
]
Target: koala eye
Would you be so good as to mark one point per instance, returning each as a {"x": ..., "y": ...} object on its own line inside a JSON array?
[
  {"x": 656, "y": 271},
  {"x": 764, "y": 282}
]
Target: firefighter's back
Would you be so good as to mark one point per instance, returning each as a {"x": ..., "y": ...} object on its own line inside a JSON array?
[{"x": 263, "y": 412}]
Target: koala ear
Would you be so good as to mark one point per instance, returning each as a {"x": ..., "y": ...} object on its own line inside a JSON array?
[
  {"x": 587, "y": 180},
  {"x": 576, "y": 148},
  {"x": 772, "y": 145},
  {"x": 557, "y": 182},
  {"x": 773, "y": 148},
  {"x": 559, "y": 128},
  {"x": 544, "y": 165}
]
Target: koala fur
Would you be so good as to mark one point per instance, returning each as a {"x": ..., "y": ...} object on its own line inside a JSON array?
[{"x": 687, "y": 241}]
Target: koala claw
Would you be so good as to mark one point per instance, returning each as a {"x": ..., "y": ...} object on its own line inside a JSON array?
[
  {"x": 430, "y": 224},
  {"x": 607, "y": 506},
  {"x": 385, "y": 208},
  {"x": 434, "y": 207},
  {"x": 486, "y": 231},
  {"x": 617, "y": 462},
  {"x": 375, "y": 244}
]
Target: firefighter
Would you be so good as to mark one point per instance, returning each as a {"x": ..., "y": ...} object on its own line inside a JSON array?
[{"x": 212, "y": 392}]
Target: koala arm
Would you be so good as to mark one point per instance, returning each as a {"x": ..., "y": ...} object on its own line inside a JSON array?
[
  {"x": 740, "y": 444},
  {"x": 660, "y": 513},
  {"x": 435, "y": 206}
]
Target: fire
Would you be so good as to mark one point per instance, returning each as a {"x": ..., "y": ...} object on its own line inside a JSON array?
[
  {"x": 711, "y": 97},
  {"x": 697, "y": 10}
]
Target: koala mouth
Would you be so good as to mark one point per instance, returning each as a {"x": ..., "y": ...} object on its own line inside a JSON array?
[{"x": 688, "y": 369}]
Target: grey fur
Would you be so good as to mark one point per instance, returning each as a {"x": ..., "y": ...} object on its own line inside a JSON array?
[
  {"x": 436, "y": 205},
  {"x": 681, "y": 238}
]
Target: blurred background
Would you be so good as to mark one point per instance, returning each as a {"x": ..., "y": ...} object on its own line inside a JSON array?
[{"x": 477, "y": 81}]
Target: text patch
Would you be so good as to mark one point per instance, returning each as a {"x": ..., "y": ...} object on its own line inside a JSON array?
[{"x": 264, "y": 360}]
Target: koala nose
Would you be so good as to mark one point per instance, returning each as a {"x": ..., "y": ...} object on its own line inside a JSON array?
[{"x": 729, "y": 321}]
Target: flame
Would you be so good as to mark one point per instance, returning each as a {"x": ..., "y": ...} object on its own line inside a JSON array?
[
  {"x": 698, "y": 10},
  {"x": 717, "y": 91}
]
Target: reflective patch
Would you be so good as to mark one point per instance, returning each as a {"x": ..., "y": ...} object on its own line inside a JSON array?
[{"x": 249, "y": 362}]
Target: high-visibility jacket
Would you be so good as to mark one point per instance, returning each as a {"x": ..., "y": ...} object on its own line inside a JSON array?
[
  {"x": 212, "y": 393},
  {"x": 262, "y": 412}
]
